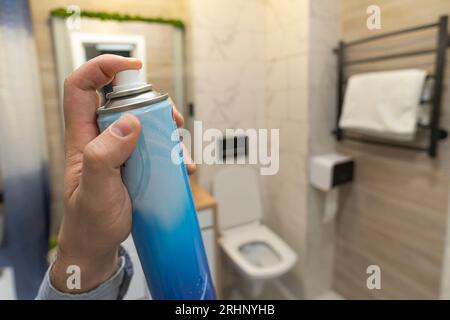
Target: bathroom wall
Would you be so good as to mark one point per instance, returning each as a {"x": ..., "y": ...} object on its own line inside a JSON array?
[
  {"x": 249, "y": 70},
  {"x": 395, "y": 215},
  {"x": 42, "y": 31},
  {"x": 323, "y": 35},
  {"x": 226, "y": 72},
  {"x": 226, "y": 66},
  {"x": 288, "y": 28},
  {"x": 300, "y": 90}
]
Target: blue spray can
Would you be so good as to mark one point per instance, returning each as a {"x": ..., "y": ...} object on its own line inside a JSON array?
[{"x": 165, "y": 228}]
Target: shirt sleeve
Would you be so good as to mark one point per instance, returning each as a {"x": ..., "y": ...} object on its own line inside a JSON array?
[{"x": 114, "y": 288}]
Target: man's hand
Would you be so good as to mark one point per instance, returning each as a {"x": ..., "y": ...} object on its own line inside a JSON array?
[{"x": 98, "y": 207}]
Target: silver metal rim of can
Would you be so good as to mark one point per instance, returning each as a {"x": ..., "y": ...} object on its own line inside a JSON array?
[
  {"x": 134, "y": 105},
  {"x": 112, "y": 95}
]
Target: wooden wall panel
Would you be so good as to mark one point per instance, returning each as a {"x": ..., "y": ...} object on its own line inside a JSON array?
[{"x": 395, "y": 213}]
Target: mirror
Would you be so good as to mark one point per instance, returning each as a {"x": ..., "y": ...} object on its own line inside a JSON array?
[{"x": 159, "y": 46}]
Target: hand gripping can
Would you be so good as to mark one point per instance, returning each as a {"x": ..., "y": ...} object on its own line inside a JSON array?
[{"x": 165, "y": 228}]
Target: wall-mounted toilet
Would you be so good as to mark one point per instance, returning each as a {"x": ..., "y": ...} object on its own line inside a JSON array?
[{"x": 257, "y": 252}]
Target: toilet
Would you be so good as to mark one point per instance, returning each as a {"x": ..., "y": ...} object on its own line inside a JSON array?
[{"x": 258, "y": 254}]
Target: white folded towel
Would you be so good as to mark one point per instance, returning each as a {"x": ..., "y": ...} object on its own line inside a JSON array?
[{"x": 384, "y": 104}]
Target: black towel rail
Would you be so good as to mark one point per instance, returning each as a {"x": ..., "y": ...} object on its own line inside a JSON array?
[{"x": 443, "y": 42}]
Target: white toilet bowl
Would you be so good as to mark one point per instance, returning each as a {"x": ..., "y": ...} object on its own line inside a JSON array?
[{"x": 257, "y": 253}]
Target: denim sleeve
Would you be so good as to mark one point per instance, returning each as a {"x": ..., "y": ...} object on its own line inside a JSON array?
[{"x": 114, "y": 288}]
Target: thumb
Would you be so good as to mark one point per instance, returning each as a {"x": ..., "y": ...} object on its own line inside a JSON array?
[{"x": 103, "y": 156}]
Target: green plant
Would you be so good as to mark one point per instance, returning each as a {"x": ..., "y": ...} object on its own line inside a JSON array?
[{"x": 62, "y": 13}]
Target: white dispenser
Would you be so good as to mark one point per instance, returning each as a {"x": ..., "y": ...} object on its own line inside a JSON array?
[{"x": 327, "y": 172}]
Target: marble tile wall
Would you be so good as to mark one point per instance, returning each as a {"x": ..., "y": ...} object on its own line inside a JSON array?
[
  {"x": 249, "y": 69},
  {"x": 287, "y": 109},
  {"x": 323, "y": 36},
  {"x": 226, "y": 66}
]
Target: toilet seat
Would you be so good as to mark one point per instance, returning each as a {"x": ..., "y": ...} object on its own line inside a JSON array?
[{"x": 234, "y": 239}]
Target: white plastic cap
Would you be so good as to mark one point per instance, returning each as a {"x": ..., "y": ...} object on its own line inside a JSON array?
[{"x": 128, "y": 79}]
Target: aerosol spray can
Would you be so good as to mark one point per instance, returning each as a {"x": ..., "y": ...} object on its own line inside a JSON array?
[{"x": 165, "y": 228}]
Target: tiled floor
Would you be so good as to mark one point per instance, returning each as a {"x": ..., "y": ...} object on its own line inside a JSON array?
[
  {"x": 272, "y": 291},
  {"x": 330, "y": 295}
]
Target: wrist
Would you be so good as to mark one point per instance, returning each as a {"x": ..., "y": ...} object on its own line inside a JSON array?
[{"x": 72, "y": 273}]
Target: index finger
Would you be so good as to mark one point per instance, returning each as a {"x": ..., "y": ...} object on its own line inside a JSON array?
[{"x": 80, "y": 96}]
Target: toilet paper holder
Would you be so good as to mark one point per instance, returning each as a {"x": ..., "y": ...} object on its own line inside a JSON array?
[{"x": 327, "y": 173}]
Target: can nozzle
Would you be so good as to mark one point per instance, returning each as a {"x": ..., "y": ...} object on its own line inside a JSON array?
[{"x": 127, "y": 79}]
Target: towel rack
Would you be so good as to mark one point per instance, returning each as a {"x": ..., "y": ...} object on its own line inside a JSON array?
[{"x": 443, "y": 42}]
